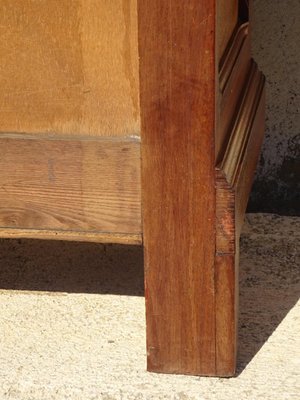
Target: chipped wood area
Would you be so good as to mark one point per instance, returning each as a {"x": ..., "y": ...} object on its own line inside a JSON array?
[{"x": 225, "y": 215}]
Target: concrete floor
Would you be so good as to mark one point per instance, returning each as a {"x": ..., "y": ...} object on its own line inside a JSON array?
[{"x": 89, "y": 343}]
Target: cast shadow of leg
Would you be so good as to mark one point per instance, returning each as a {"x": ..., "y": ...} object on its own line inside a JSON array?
[{"x": 269, "y": 285}]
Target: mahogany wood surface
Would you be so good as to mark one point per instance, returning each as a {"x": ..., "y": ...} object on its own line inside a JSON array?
[{"x": 177, "y": 85}]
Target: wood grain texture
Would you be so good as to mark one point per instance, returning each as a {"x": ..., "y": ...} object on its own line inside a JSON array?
[
  {"x": 227, "y": 19},
  {"x": 227, "y": 298},
  {"x": 72, "y": 158},
  {"x": 65, "y": 185},
  {"x": 69, "y": 67},
  {"x": 177, "y": 83}
]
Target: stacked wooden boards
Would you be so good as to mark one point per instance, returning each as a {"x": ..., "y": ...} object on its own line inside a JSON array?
[{"x": 138, "y": 122}]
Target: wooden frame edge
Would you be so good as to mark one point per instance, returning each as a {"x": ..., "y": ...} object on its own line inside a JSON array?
[{"x": 96, "y": 237}]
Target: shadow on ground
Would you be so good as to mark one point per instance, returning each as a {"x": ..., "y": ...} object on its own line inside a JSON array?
[
  {"x": 269, "y": 277},
  {"x": 269, "y": 281},
  {"x": 73, "y": 267}
]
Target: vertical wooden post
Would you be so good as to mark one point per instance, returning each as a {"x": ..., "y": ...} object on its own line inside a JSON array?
[{"x": 177, "y": 86}]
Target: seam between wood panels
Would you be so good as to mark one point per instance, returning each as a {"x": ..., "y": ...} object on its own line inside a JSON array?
[{"x": 71, "y": 138}]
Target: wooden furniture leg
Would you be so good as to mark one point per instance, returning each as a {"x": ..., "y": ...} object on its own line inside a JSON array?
[
  {"x": 198, "y": 160},
  {"x": 177, "y": 78},
  {"x": 138, "y": 122}
]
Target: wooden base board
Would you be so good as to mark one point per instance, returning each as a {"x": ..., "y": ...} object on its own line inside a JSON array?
[{"x": 70, "y": 189}]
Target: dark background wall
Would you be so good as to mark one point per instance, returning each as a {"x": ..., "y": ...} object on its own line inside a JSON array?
[{"x": 276, "y": 48}]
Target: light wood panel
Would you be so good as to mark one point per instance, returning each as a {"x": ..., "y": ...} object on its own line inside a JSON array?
[
  {"x": 69, "y": 67},
  {"x": 177, "y": 71},
  {"x": 70, "y": 185}
]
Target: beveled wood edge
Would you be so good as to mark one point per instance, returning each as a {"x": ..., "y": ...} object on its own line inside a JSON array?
[
  {"x": 229, "y": 166},
  {"x": 229, "y": 169},
  {"x": 96, "y": 237},
  {"x": 231, "y": 55},
  {"x": 234, "y": 176},
  {"x": 246, "y": 171},
  {"x": 232, "y": 79}
]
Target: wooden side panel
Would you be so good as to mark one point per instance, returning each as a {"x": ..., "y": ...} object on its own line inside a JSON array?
[
  {"x": 227, "y": 19},
  {"x": 69, "y": 67},
  {"x": 234, "y": 176},
  {"x": 232, "y": 78},
  {"x": 177, "y": 75},
  {"x": 234, "y": 151},
  {"x": 65, "y": 185},
  {"x": 235, "y": 172}
]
